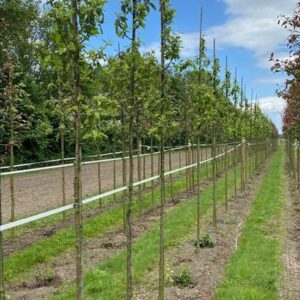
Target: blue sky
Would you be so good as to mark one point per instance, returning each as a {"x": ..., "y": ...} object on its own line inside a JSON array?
[{"x": 245, "y": 31}]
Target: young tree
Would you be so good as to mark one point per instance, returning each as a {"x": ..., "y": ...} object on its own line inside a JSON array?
[
  {"x": 137, "y": 11},
  {"x": 73, "y": 24},
  {"x": 169, "y": 50}
]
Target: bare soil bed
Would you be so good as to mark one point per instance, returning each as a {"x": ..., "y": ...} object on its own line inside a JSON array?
[
  {"x": 41, "y": 191},
  {"x": 39, "y": 284}
]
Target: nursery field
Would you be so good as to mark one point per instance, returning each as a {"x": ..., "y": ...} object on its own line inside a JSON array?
[{"x": 137, "y": 162}]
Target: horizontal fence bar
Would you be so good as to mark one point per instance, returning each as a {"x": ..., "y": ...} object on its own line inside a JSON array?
[
  {"x": 97, "y": 197},
  {"x": 5, "y": 174}
]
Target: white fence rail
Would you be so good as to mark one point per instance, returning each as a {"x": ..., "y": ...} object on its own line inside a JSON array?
[{"x": 58, "y": 210}]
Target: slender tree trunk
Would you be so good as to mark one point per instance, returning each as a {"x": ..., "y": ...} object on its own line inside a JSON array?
[
  {"x": 12, "y": 159},
  {"x": 77, "y": 163},
  {"x": 129, "y": 281},
  {"x": 161, "y": 293},
  {"x": 12, "y": 184}
]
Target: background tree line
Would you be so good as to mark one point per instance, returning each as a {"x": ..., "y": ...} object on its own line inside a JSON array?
[{"x": 35, "y": 95}]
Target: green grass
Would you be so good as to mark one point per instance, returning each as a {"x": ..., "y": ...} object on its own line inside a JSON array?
[
  {"x": 107, "y": 281},
  {"x": 47, "y": 249},
  {"x": 253, "y": 271}
]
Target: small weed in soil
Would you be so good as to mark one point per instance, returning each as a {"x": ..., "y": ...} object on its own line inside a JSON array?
[
  {"x": 183, "y": 278},
  {"x": 205, "y": 242}
]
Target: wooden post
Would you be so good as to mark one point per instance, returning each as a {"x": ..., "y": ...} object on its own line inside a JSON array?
[
  {"x": 186, "y": 171},
  {"x": 139, "y": 172},
  {"x": 170, "y": 169},
  {"x": 214, "y": 177},
  {"x": 152, "y": 172},
  {"x": 243, "y": 165},
  {"x": 189, "y": 163},
  {"x": 114, "y": 163},
  {"x": 226, "y": 178},
  {"x": 124, "y": 172},
  {"x": 99, "y": 173},
  {"x": 206, "y": 158},
  {"x": 234, "y": 170},
  {"x": 198, "y": 192},
  {"x": 2, "y": 286},
  {"x": 144, "y": 165},
  {"x": 62, "y": 152}
]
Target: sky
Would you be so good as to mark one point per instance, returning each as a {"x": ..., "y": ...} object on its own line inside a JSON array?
[{"x": 246, "y": 31}]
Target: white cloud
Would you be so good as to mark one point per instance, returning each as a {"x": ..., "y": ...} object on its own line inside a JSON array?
[
  {"x": 272, "y": 105},
  {"x": 270, "y": 80},
  {"x": 189, "y": 44},
  {"x": 252, "y": 25}
]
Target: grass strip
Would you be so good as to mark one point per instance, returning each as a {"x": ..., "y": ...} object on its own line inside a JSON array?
[
  {"x": 47, "y": 249},
  {"x": 107, "y": 281},
  {"x": 254, "y": 270}
]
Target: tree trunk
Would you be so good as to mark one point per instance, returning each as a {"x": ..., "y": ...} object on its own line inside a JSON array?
[
  {"x": 161, "y": 293},
  {"x": 129, "y": 283},
  {"x": 12, "y": 159},
  {"x": 77, "y": 163}
]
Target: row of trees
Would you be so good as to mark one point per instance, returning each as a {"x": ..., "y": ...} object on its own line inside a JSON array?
[
  {"x": 35, "y": 97},
  {"x": 291, "y": 92},
  {"x": 291, "y": 66},
  {"x": 54, "y": 88}
]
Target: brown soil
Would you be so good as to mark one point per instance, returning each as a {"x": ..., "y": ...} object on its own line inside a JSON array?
[
  {"x": 290, "y": 289},
  {"x": 208, "y": 265},
  {"x": 41, "y": 191},
  {"x": 38, "y": 285}
]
